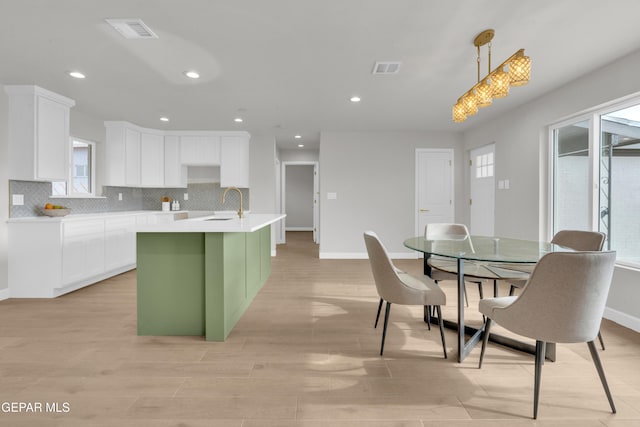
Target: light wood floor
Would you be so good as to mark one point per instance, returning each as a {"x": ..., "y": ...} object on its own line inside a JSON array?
[{"x": 305, "y": 354}]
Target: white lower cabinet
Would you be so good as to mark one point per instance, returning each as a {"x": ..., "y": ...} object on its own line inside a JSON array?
[
  {"x": 49, "y": 258},
  {"x": 119, "y": 242},
  {"x": 82, "y": 250}
]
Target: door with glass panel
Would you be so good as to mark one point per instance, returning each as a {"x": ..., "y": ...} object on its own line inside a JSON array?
[
  {"x": 571, "y": 177},
  {"x": 619, "y": 171},
  {"x": 482, "y": 190}
]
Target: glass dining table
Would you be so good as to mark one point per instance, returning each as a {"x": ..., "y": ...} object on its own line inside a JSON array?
[{"x": 501, "y": 258}]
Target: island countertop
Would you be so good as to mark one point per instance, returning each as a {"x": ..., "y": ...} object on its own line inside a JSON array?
[{"x": 214, "y": 224}]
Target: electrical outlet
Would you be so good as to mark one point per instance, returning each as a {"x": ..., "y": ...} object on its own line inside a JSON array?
[
  {"x": 119, "y": 196},
  {"x": 186, "y": 196},
  {"x": 17, "y": 200}
]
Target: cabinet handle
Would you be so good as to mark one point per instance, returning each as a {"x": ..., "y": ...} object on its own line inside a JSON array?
[{"x": 424, "y": 210}]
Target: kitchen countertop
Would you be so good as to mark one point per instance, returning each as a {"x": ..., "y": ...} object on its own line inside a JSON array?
[
  {"x": 71, "y": 217},
  {"x": 214, "y": 224}
]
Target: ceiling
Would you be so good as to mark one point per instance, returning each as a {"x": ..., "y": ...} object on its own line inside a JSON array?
[{"x": 289, "y": 67}]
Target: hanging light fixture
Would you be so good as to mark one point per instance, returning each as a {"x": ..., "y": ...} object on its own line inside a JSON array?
[{"x": 496, "y": 83}]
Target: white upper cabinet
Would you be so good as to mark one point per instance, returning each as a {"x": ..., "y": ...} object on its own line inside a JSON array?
[
  {"x": 234, "y": 161},
  {"x": 200, "y": 150},
  {"x": 175, "y": 173},
  {"x": 152, "y": 160},
  {"x": 134, "y": 156},
  {"x": 141, "y": 157},
  {"x": 39, "y": 145}
]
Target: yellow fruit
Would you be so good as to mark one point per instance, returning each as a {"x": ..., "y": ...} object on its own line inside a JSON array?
[{"x": 48, "y": 206}]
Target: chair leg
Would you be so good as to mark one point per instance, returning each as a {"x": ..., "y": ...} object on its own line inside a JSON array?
[
  {"x": 480, "y": 290},
  {"x": 512, "y": 290},
  {"x": 427, "y": 316},
  {"x": 378, "y": 315},
  {"x": 466, "y": 299},
  {"x": 441, "y": 325},
  {"x": 540, "y": 350},
  {"x": 384, "y": 330},
  {"x": 485, "y": 339},
  {"x": 495, "y": 289},
  {"x": 601, "y": 340},
  {"x": 603, "y": 379}
]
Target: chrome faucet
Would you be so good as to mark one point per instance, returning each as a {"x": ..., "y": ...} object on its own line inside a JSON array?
[{"x": 240, "y": 211}]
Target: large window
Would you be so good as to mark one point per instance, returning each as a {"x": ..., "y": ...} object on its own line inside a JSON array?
[
  {"x": 81, "y": 171},
  {"x": 596, "y": 177}
]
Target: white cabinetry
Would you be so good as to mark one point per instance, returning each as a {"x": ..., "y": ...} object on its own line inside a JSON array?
[
  {"x": 175, "y": 173},
  {"x": 49, "y": 257},
  {"x": 152, "y": 160},
  {"x": 39, "y": 144},
  {"x": 82, "y": 250},
  {"x": 234, "y": 161},
  {"x": 134, "y": 156},
  {"x": 200, "y": 150},
  {"x": 119, "y": 241},
  {"x": 122, "y": 150},
  {"x": 131, "y": 157}
]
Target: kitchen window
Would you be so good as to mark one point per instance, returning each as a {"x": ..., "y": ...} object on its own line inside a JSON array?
[
  {"x": 81, "y": 181},
  {"x": 595, "y": 177}
]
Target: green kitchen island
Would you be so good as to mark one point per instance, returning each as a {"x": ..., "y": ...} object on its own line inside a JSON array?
[{"x": 198, "y": 276}]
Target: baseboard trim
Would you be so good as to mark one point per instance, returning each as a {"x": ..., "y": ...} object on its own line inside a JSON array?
[
  {"x": 4, "y": 294},
  {"x": 363, "y": 255},
  {"x": 299, "y": 229},
  {"x": 623, "y": 319}
]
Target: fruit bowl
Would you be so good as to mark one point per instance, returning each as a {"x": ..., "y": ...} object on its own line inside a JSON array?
[{"x": 56, "y": 212}]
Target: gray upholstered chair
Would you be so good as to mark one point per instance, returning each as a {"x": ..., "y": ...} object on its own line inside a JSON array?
[
  {"x": 563, "y": 302},
  {"x": 578, "y": 240},
  {"x": 449, "y": 231},
  {"x": 397, "y": 287}
]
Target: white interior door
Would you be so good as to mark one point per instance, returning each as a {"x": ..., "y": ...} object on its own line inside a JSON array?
[
  {"x": 434, "y": 187},
  {"x": 482, "y": 190}
]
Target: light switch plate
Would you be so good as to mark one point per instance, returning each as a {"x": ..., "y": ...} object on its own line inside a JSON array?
[
  {"x": 119, "y": 196},
  {"x": 17, "y": 200},
  {"x": 332, "y": 196}
]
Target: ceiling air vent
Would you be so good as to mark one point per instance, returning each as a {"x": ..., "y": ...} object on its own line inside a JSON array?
[
  {"x": 386, "y": 67},
  {"x": 132, "y": 28}
]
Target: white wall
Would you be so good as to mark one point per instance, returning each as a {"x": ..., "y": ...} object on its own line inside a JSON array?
[
  {"x": 521, "y": 138},
  {"x": 373, "y": 174},
  {"x": 4, "y": 193},
  {"x": 262, "y": 180},
  {"x": 299, "y": 197},
  {"x": 298, "y": 155}
]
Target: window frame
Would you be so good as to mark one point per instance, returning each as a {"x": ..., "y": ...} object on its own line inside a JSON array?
[
  {"x": 70, "y": 171},
  {"x": 593, "y": 116}
]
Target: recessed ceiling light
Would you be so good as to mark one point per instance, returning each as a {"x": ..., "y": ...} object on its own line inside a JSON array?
[
  {"x": 76, "y": 74},
  {"x": 354, "y": 99},
  {"x": 300, "y": 145},
  {"x": 238, "y": 120},
  {"x": 298, "y": 136},
  {"x": 164, "y": 119},
  {"x": 192, "y": 74}
]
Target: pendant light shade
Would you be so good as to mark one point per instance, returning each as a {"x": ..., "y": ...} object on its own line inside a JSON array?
[
  {"x": 500, "y": 83},
  {"x": 470, "y": 104},
  {"x": 459, "y": 113},
  {"x": 520, "y": 70},
  {"x": 484, "y": 94}
]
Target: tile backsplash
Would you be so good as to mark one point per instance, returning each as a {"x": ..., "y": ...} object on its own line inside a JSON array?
[{"x": 201, "y": 197}]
